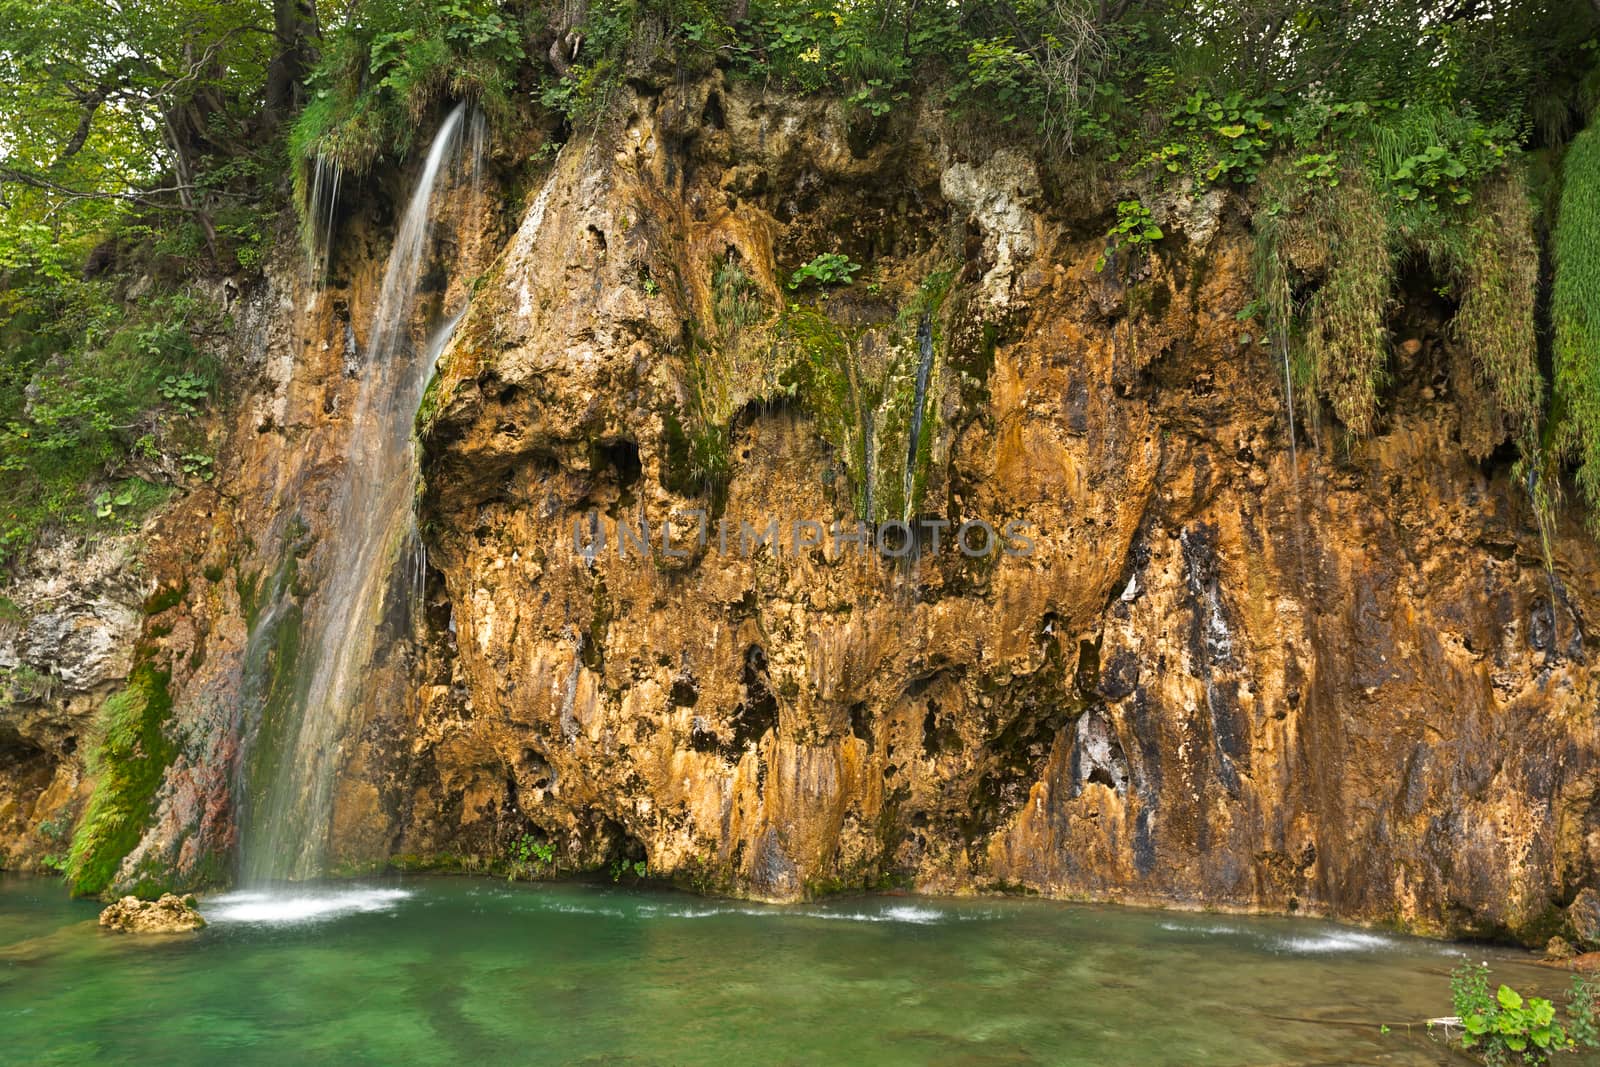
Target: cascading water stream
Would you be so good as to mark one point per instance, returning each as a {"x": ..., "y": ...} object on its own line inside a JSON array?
[
  {"x": 371, "y": 531},
  {"x": 324, "y": 201},
  {"x": 924, "y": 368}
]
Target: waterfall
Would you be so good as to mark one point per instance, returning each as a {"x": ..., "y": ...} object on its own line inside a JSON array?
[
  {"x": 924, "y": 368},
  {"x": 324, "y": 201},
  {"x": 370, "y": 537}
]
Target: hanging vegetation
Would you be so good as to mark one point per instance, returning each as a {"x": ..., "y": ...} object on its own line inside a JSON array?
[{"x": 1575, "y": 313}]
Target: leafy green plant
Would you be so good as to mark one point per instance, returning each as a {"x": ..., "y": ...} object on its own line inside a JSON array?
[
  {"x": 186, "y": 391},
  {"x": 621, "y": 869},
  {"x": 199, "y": 465},
  {"x": 529, "y": 857},
  {"x": 106, "y": 503},
  {"x": 1583, "y": 1011},
  {"x": 1508, "y": 1028},
  {"x": 1135, "y": 230},
  {"x": 1443, "y": 171},
  {"x": 1318, "y": 168},
  {"x": 829, "y": 268},
  {"x": 1007, "y": 75}
]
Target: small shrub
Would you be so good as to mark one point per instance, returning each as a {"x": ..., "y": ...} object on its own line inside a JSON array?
[
  {"x": 636, "y": 869},
  {"x": 1508, "y": 1028},
  {"x": 529, "y": 857},
  {"x": 1135, "y": 230},
  {"x": 830, "y": 268}
]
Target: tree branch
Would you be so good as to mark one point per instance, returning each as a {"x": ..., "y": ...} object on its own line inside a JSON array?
[{"x": 142, "y": 197}]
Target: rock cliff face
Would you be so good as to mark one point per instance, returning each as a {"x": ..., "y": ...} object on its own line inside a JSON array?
[{"x": 1209, "y": 664}]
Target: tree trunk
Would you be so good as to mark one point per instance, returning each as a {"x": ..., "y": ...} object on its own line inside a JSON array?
[{"x": 294, "y": 25}]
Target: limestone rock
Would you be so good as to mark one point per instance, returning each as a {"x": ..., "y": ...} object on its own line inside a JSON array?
[
  {"x": 1583, "y": 914},
  {"x": 1317, "y": 675},
  {"x": 999, "y": 194},
  {"x": 1559, "y": 948},
  {"x": 1233, "y": 672},
  {"x": 171, "y": 914}
]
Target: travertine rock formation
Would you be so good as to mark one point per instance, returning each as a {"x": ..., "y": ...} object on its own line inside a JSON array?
[
  {"x": 1332, "y": 675},
  {"x": 1237, "y": 669},
  {"x": 171, "y": 914}
]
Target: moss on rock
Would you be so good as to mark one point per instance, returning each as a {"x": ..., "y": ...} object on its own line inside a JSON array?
[{"x": 133, "y": 754}]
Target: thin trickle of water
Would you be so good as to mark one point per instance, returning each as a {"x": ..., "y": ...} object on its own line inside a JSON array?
[
  {"x": 1288, "y": 407},
  {"x": 870, "y": 463},
  {"x": 371, "y": 530},
  {"x": 477, "y": 149},
  {"x": 325, "y": 178},
  {"x": 924, "y": 368}
]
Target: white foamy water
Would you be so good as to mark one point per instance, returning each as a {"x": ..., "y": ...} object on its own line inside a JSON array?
[
  {"x": 1217, "y": 930},
  {"x": 297, "y": 906},
  {"x": 1336, "y": 941},
  {"x": 898, "y": 913},
  {"x": 1312, "y": 943}
]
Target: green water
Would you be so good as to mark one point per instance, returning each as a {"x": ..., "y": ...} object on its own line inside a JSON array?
[{"x": 435, "y": 970}]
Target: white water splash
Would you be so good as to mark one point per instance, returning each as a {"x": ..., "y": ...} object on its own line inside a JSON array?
[
  {"x": 289, "y": 907},
  {"x": 920, "y": 915},
  {"x": 1314, "y": 942},
  {"x": 1334, "y": 941}
]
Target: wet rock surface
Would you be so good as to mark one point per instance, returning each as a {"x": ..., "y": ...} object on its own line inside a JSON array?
[
  {"x": 1334, "y": 677},
  {"x": 1325, "y": 675},
  {"x": 171, "y": 914}
]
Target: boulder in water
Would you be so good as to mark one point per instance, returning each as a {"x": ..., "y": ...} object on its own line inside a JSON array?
[
  {"x": 171, "y": 914},
  {"x": 1584, "y": 915},
  {"x": 1559, "y": 948}
]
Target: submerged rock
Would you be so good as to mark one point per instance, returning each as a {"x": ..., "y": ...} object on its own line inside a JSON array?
[{"x": 171, "y": 914}]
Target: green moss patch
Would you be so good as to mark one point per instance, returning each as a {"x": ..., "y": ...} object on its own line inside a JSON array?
[{"x": 132, "y": 756}]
